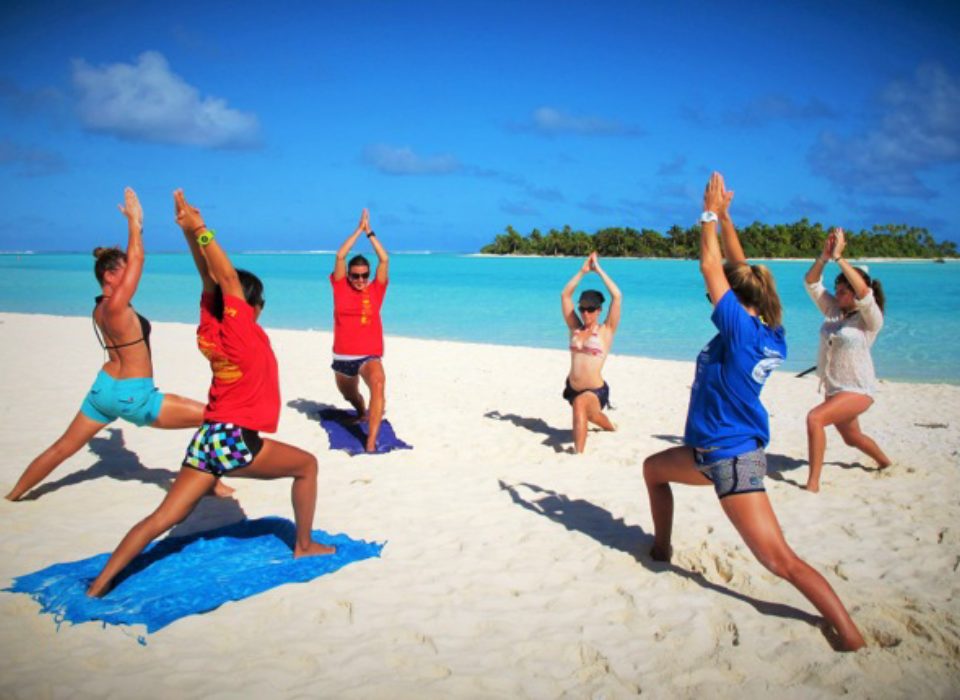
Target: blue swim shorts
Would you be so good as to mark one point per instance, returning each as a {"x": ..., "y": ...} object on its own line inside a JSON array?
[
  {"x": 137, "y": 400},
  {"x": 218, "y": 448},
  {"x": 351, "y": 368},
  {"x": 732, "y": 475}
]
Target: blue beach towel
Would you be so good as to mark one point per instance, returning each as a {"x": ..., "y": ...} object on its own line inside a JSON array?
[
  {"x": 352, "y": 437},
  {"x": 182, "y": 576}
]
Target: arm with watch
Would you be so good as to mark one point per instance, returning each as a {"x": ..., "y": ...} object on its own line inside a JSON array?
[
  {"x": 711, "y": 259},
  {"x": 340, "y": 263},
  {"x": 383, "y": 260},
  {"x": 216, "y": 268},
  {"x": 859, "y": 287}
]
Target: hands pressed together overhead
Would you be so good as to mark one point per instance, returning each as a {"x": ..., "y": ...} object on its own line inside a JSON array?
[
  {"x": 188, "y": 217},
  {"x": 131, "y": 208}
]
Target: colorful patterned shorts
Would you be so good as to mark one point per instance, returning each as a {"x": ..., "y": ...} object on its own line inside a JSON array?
[{"x": 218, "y": 448}]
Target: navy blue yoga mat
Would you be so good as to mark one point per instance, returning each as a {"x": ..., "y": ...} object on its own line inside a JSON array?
[
  {"x": 352, "y": 437},
  {"x": 182, "y": 576}
]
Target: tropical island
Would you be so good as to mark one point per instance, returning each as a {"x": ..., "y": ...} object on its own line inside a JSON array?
[{"x": 801, "y": 239}]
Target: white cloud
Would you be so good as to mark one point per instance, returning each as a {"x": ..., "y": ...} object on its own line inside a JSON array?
[
  {"x": 146, "y": 101},
  {"x": 402, "y": 160},
  {"x": 919, "y": 130},
  {"x": 548, "y": 120}
]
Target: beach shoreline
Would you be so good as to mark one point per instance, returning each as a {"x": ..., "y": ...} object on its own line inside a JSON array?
[{"x": 512, "y": 568}]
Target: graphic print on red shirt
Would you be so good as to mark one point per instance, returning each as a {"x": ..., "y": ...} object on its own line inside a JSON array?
[
  {"x": 357, "y": 329},
  {"x": 245, "y": 388}
]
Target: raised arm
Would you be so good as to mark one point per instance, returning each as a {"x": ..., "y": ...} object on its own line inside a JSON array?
[
  {"x": 127, "y": 286},
  {"x": 859, "y": 287},
  {"x": 340, "y": 265},
  {"x": 179, "y": 203},
  {"x": 383, "y": 260},
  {"x": 732, "y": 250},
  {"x": 815, "y": 273},
  {"x": 566, "y": 296},
  {"x": 711, "y": 260},
  {"x": 219, "y": 268},
  {"x": 616, "y": 296}
]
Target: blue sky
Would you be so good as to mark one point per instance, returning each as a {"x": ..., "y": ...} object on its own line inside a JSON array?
[{"x": 450, "y": 120}]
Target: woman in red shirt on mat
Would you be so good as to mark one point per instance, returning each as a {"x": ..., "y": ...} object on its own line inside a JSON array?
[
  {"x": 357, "y": 329},
  {"x": 244, "y": 399}
]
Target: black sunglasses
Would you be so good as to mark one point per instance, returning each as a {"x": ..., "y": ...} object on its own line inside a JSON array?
[
  {"x": 359, "y": 275},
  {"x": 589, "y": 309}
]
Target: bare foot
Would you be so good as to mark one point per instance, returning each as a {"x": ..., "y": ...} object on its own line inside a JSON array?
[
  {"x": 881, "y": 467},
  {"x": 96, "y": 591},
  {"x": 812, "y": 488},
  {"x": 657, "y": 554},
  {"x": 314, "y": 549},
  {"x": 221, "y": 490}
]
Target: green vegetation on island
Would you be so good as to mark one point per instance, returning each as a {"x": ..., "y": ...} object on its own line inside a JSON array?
[{"x": 798, "y": 240}]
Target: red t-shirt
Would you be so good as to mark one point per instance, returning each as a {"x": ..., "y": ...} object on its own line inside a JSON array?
[
  {"x": 357, "y": 329},
  {"x": 245, "y": 389}
]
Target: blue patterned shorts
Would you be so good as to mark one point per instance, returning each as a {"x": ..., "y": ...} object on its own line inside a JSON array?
[
  {"x": 732, "y": 475},
  {"x": 351, "y": 368},
  {"x": 218, "y": 448}
]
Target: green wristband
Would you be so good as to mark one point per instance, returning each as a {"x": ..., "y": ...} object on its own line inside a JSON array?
[{"x": 205, "y": 237}]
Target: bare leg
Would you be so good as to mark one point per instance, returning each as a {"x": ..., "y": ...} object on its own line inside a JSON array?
[
  {"x": 673, "y": 465},
  {"x": 350, "y": 389},
  {"x": 599, "y": 418},
  {"x": 838, "y": 408},
  {"x": 754, "y": 519},
  {"x": 178, "y": 412},
  {"x": 579, "y": 407},
  {"x": 277, "y": 460},
  {"x": 850, "y": 431},
  {"x": 375, "y": 378},
  {"x": 80, "y": 431},
  {"x": 188, "y": 488}
]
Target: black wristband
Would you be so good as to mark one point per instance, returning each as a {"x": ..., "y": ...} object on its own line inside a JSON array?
[{"x": 371, "y": 234}]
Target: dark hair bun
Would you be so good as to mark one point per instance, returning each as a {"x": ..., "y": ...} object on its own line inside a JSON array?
[{"x": 99, "y": 251}]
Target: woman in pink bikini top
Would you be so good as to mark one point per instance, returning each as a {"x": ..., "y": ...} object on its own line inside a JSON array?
[{"x": 590, "y": 342}]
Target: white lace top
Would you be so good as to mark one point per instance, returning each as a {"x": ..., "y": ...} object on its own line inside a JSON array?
[{"x": 843, "y": 361}]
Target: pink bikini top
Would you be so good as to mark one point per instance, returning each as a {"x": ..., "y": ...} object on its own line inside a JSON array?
[{"x": 592, "y": 345}]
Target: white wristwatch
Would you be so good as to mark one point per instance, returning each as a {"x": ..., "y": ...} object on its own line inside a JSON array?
[{"x": 708, "y": 216}]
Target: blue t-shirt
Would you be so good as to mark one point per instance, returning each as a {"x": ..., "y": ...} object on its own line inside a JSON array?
[{"x": 725, "y": 414}]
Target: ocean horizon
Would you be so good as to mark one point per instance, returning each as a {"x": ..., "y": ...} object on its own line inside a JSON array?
[{"x": 515, "y": 300}]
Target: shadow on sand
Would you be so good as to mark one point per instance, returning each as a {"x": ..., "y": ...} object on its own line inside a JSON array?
[
  {"x": 582, "y": 516},
  {"x": 560, "y": 439},
  {"x": 115, "y": 462}
]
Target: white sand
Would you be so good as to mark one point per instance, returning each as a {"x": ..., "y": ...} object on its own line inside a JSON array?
[{"x": 510, "y": 567}]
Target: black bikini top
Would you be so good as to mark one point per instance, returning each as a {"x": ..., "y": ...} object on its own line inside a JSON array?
[{"x": 144, "y": 332}]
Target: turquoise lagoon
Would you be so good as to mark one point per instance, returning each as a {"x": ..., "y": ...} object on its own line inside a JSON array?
[{"x": 516, "y": 301}]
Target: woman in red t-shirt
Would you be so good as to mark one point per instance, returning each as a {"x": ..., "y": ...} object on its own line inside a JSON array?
[
  {"x": 357, "y": 330},
  {"x": 244, "y": 399}
]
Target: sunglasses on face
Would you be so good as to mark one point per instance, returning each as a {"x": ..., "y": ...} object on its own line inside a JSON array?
[
  {"x": 359, "y": 275},
  {"x": 589, "y": 309}
]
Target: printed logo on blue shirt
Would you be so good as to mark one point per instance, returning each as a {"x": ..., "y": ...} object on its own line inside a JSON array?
[{"x": 765, "y": 367}]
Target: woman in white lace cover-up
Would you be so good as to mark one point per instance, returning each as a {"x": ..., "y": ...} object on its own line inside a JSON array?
[{"x": 853, "y": 317}]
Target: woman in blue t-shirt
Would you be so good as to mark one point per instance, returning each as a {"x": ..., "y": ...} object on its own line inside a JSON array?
[{"x": 727, "y": 426}]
